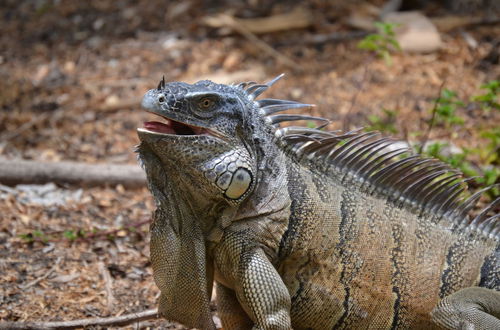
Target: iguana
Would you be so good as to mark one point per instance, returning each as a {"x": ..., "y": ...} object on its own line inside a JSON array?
[{"x": 306, "y": 228}]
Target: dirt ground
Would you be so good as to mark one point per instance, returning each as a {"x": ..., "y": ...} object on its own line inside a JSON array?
[{"x": 72, "y": 74}]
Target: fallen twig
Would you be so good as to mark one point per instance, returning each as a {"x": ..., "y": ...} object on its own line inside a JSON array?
[
  {"x": 433, "y": 119},
  {"x": 75, "y": 324},
  {"x": 58, "y": 236},
  {"x": 24, "y": 171},
  {"x": 229, "y": 21},
  {"x": 449, "y": 23},
  {"x": 298, "y": 18},
  {"x": 334, "y": 36},
  {"x": 125, "y": 104},
  {"x": 108, "y": 284},
  {"x": 114, "y": 231},
  {"x": 41, "y": 278},
  {"x": 346, "y": 121},
  {"x": 9, "y": 135}
]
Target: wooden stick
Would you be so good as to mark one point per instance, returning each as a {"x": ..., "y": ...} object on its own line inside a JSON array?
[
  {"x": 41, "y": 278},
  {"x": 75, "y": 324},
  {"x": 229, "y": 21},
  {"x": 54, "y": 116},
  {"x": 108, "y": 285},
  {"x": 14, "y": 172},
  {"x": 298, "y": 18},
  {"x": 433, "y": 120}
]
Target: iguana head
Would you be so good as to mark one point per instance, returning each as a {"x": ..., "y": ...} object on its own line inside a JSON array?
[{"x": 201, "y": 135}]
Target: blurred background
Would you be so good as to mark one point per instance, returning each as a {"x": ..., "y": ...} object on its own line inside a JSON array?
[{"x": 72, "y": 74}]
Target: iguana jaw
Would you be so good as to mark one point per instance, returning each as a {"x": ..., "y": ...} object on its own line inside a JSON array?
[{"x": 173, "y": 127}]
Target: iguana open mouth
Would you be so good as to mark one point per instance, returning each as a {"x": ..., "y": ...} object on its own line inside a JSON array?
[{"x": 173, "y": 127}]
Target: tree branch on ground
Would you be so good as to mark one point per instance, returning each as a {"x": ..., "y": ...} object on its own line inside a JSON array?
[
  {"x": 33, "y": 172},
  {"x": 75, "y": 324}
]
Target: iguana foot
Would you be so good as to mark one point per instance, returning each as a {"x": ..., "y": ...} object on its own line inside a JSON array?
[{"x": 469, "y": 308}]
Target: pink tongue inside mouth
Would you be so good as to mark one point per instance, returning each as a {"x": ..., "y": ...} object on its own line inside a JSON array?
[{"x": 158, "y": 127}]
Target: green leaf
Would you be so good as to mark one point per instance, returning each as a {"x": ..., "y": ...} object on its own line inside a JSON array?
[
  {"x": 70, "y": 234},
  {"x": 434, "y": 149},
  {"x": 28, "y": 238},
  {"x": 448, "y": 94},
  {"x": 381, "y": 43}
]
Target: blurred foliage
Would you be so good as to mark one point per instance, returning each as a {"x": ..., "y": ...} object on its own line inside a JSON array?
[
  {"x": 486, "y": 174},
  {"x": 385, "y": 123},
  {"x": 382, "y": 43},
  {"x": 481, "y": 161},
  {"x": 74, "y": 234},
  {"x": 446, "y": 107},
  {"x": 81, "y": 234},
  {"x": 489, "y": 100}
]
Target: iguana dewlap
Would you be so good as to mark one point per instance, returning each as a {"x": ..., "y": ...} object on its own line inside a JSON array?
[{"x": 304, "y": 228}]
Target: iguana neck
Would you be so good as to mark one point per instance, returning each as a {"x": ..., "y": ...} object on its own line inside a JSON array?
[
  {"x": 172, "y": 194},
  {"x": 179, "y": 231}
]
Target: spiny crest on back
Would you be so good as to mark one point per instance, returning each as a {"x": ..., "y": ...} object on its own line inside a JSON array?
[{"x": 377, "y": 165}]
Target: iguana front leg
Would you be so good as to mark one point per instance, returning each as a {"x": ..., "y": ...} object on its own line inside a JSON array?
[
  {"x": 259, "y": 289},
  {"x": 469, "y": 308}
]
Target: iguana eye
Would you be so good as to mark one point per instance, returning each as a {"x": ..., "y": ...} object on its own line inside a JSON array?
[
  {"x": 161, "y": 98},
  {"x": 206, "y": 103}
]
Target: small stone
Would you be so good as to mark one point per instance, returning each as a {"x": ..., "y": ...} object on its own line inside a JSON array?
[
  {"x": 128, "y": 13},
  {"x": 65, "y": 278},
  {"x": 41, "y": 73},
  {"x": 414, "y": 32},
  {"x": 95, "y": 42},
  {"x": 69, "y": 67},
  {"x": 232, "y": 61},
  {"x": 296, "y": 93},
  {"x": 98, "y": 24},
  {"x": 111, "y": 100}
]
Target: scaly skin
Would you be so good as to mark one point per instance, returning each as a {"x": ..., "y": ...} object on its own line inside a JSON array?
[{"x": 301, "y": 232}]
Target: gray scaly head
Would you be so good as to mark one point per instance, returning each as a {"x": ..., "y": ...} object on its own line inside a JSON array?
[{"x": 202, "y": 135}]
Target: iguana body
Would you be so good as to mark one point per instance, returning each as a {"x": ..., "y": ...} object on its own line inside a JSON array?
[{"x": 305, "y": 228}]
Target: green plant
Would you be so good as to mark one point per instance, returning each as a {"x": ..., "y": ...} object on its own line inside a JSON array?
[
  {"x": 382, "y": 43},
  {"x": 81, "y": 234},
  {"x": 387, "y": 123},
  {"x": 74, "y": 234},
  {"x": 489, "y": 100},
  {"x": 480, "y": 161},
  {"x": 35, "y": 235},
  {"x": 456, "y": 160},
  {"x": 435, "y": 149},
  {"x": 486, "y": 175},
  {"x": 446, "y": 107},
  {"x": 490, "y": 153},
  {"x": 490, "y": 176},
  {"x": 311, "y": 124}
]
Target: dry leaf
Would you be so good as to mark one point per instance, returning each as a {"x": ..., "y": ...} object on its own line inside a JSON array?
[{"x": 65, "y": 278}]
